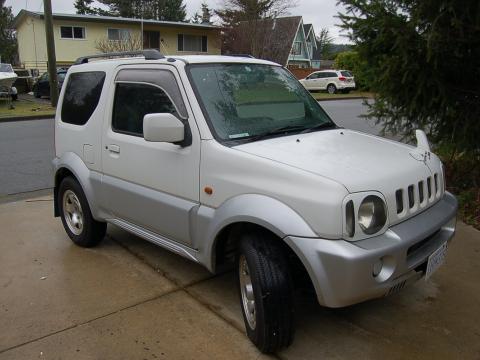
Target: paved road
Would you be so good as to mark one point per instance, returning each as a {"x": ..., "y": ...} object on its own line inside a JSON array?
[
  {"x": 26, "y": 147},
  {"x": 347, "y": 113},
  {"x": 26, "y": 152}
]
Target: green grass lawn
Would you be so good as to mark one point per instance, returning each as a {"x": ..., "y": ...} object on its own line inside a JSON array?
[
  {"x": 352, "y": 94},
  {"x": 24, "y": 108}
]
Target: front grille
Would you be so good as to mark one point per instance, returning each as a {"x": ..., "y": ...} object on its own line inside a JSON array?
[{"x": 416, "y": 195}]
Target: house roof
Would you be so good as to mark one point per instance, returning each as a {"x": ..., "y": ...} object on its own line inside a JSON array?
[
  {"x": 317, "y": 52},
  {"x": 307, "y": 28},
  {"x": 114, "y": 19}
]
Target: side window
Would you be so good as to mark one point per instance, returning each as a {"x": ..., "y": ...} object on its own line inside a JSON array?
[
  {"x": 81, "y": 96},
  {"x": 133, "y": 101}
]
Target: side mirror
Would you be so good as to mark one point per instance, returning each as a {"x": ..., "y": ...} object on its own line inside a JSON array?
[{"x": 163, "y": 127}]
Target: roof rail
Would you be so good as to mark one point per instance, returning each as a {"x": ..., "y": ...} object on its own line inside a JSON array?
[
  {"x": 242, "y": 55},
  {"x": 149, "y": 54}
]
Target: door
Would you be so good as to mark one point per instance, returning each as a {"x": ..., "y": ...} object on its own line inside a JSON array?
[
  {"x": 330, "y": 78},
  {"x": 312, "y": 82},
  {"x": 149, "y": 184},
  {"x": 151, "y": 40}
]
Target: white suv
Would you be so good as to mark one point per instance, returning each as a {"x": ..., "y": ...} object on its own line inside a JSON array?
[
  {"x": 330, "y": 80},
  {"x": 229, "y": 161}
]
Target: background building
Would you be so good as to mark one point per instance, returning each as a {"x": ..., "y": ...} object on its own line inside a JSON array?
[{"x": 80, "y": 35}]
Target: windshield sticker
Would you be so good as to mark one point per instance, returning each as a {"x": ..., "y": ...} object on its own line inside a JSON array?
[{"x": 236, "y": 136}]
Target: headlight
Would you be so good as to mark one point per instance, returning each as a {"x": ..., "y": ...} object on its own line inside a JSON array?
[{"x": 372, "y": 215}]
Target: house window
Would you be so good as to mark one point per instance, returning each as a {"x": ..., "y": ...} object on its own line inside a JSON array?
[
  {"x": 119, "y": 34},
  {"x": 297, "y": 48},
  {"x": 195, "y": 43},
  {"x": 72, "y": 32}
]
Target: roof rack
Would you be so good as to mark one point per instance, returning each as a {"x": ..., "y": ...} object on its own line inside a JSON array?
[
  {"x": 242, "y": 55},
  {"x": 149, "y": 54}
]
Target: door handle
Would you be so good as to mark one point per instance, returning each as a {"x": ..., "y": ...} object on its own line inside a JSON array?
[{"x": 114, "y": 148}]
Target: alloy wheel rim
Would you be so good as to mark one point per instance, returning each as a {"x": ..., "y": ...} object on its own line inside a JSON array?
[
  {"x": 246, "y": 289},
  {"x": 72, "y": 212}
]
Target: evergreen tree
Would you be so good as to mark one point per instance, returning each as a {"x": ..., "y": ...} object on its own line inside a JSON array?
[
  {"x": 168, "y": 10},
  {"x": 8, "y": 42},
  {"x": 173, "y": 10},
  {"x": 424, "y": 59},
  {"x": 206, "y": 13},
  {"x": 83, "y": 6}
]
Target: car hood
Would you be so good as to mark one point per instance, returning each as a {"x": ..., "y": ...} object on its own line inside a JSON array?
[{"x": 358, "y": 161}]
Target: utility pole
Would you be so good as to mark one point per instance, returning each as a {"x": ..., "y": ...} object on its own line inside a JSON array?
[{"x": 52, "y": 62}]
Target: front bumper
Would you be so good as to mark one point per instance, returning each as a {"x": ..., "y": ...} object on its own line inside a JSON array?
[{"x": 342, "y": 271}]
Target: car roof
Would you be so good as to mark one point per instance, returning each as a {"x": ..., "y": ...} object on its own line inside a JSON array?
[{"x": 187, "y": 59}]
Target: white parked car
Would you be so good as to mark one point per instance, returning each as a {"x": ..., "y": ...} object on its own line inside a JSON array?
[
  {"x": 230, "y": 162},
  {"x": 330, "y": 80}
]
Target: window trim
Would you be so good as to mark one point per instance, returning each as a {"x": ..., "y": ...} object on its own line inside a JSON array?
[
  {"x": 194, "y": 51},
  {"x": 138, "y": 83},
  {"x": 73, "y": 32},
  {"x": 127, "y": 29}
]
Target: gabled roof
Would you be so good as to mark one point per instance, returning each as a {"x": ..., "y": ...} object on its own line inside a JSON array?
[
  {"x": 110, "y": 19},
  {"x": 307, "y": 28}
]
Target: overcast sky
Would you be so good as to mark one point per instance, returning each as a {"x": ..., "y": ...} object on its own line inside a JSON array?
[{"x": 319, "y": 12}]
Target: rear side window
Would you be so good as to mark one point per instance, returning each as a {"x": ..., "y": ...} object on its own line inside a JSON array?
[
  {"x": 81, "y": 96},
  {"x": 346, "y": 73},
  {"x": 133, "y": 101}
]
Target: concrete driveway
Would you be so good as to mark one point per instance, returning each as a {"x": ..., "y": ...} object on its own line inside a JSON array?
[{"x": 128, "y": 299}]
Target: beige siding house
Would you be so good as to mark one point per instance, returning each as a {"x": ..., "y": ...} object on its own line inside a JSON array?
[{"x": 80, "y": 35}]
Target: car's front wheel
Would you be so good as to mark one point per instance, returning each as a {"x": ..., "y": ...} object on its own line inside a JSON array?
[
  {"x": 266, "y": 293},
  {"x": 77, "y": 219},
  {"x": 331, "y": 89}
]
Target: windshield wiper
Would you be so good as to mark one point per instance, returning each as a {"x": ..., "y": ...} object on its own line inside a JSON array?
[
  {"x": 322, "y": 126},
  {"x": 277, "y": 131}
]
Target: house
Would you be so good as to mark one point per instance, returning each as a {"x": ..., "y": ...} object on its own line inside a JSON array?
[
  {"x": 304, "y": 46},
  {"x": 284, "y": 40},
  {"x": 79, "y": 35}
]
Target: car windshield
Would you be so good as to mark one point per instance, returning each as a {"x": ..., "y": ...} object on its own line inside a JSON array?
[
  {"x": 346, "y": 73},
  {"x": 252, "y": 101},
  {"x": 6, "y": 68}
]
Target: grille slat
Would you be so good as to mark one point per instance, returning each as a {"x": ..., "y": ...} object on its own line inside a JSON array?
[{"x": 417, "y": 195}]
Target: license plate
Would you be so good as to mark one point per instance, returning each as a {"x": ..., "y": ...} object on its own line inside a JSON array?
[{"x": 435, "y": 260}]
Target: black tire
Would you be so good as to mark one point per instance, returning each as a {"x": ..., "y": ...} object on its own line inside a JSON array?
[
  {"x": 92, "y": 231},
  {"x": 36, "y": 94},
  {"x": 331, "y": 89},
  {"x": 272, "y": 291}
]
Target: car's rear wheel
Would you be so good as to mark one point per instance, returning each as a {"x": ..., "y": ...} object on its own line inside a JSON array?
[
  {"x": 266, "y": 293},
  {"x": 331, "y": 89},
  {"x": 76, "y": 216}
]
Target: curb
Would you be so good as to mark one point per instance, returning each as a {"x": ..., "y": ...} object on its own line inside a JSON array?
[
  {"x": 29, "y": 117},
  {"x": 349, "y": 98}
]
